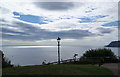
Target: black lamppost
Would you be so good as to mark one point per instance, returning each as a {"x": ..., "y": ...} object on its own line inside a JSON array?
[{"x": 58, "y": 40}]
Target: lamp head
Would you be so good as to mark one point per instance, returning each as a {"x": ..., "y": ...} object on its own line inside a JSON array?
[{"x": 58, "y": 39}]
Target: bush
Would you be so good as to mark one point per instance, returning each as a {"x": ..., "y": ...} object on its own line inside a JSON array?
[
  {"x": 5, "y": 61},
  {"x": 100, "y": 56}
]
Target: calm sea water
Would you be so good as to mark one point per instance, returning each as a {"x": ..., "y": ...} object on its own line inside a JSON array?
[{"x": 35, "y": 55}]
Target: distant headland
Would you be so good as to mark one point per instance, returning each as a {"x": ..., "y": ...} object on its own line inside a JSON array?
[{"x": 114, "y": 44}]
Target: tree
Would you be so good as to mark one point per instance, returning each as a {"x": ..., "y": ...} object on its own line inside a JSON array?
[
  {"x": 99, "y": 56},
  {"x": 5, "y": 62}
]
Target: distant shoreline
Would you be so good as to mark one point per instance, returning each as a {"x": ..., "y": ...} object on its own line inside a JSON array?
[{"x": 113, "y": 44}]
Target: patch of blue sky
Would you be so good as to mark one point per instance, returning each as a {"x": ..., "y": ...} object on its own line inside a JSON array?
[
  {"x": 100, "y": 16},
  {"x": 92, "y": 19},
  {"x": 85, "y": 20},
  {"x": 16, "y": 13},
  {"x": 31, "y": 18},
  {"x": 48, "y": 20},
  {"x": 114, "y": 23}
]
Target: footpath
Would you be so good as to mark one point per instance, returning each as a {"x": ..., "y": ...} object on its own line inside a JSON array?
[{"x": 113, "y": 67}]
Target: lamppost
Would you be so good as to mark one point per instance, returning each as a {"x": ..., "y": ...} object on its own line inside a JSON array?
[{"x": 58, "y": 40}]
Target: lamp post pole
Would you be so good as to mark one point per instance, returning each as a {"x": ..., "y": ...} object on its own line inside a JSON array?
[{"x": 58, "y": 40}]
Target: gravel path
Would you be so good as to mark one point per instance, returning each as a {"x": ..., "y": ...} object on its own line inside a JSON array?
[{"x": 114, "y": 67}]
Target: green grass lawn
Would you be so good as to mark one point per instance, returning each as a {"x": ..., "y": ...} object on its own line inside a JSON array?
[{"x": 62, "y": 69}]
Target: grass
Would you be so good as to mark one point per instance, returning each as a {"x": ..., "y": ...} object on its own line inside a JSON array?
[{"x": 62, "y": 69}]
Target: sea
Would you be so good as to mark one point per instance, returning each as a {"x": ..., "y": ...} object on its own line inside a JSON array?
[{"x": 35, "y": 55}]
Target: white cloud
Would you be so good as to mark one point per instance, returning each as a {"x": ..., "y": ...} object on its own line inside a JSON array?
[
  {"x": 60, "y": 0},
  {"x": 58, "y": 24}
]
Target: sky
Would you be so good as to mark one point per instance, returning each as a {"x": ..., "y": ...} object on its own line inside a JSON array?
[{"x": 77, "y": 23}]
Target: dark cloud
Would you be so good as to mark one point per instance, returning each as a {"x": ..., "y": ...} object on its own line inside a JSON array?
[
  {"x": 55, "y": 6},
  {"x": 105, "y": 30},
  {"x": 2, "y": 20},
  {"x": 34, "y": 33}
]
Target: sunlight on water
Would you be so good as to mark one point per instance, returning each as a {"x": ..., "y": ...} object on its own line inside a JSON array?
[{"x": 31, "y": 46}]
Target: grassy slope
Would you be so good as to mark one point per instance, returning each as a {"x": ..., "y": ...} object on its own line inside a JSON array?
[{"x": 63, "y": 69}]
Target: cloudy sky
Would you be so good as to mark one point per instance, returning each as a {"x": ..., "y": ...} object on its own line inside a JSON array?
[{"x": 40, "y": 23}]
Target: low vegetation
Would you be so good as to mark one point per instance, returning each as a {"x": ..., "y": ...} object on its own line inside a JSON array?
[
  {"x": 62, "y": 69},
  {"x": 95, "y": 56},
  {"x": 98, "y": 56}
]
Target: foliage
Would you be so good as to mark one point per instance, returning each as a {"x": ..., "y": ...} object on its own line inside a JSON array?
[
  {"x": 98, "y": 56},
  {"x": 5, "y": 61}
]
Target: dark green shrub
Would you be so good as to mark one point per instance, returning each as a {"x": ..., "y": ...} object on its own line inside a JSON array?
[
  {"x": 100, "y": 56},
  {"x": 5, "y": 61}
]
